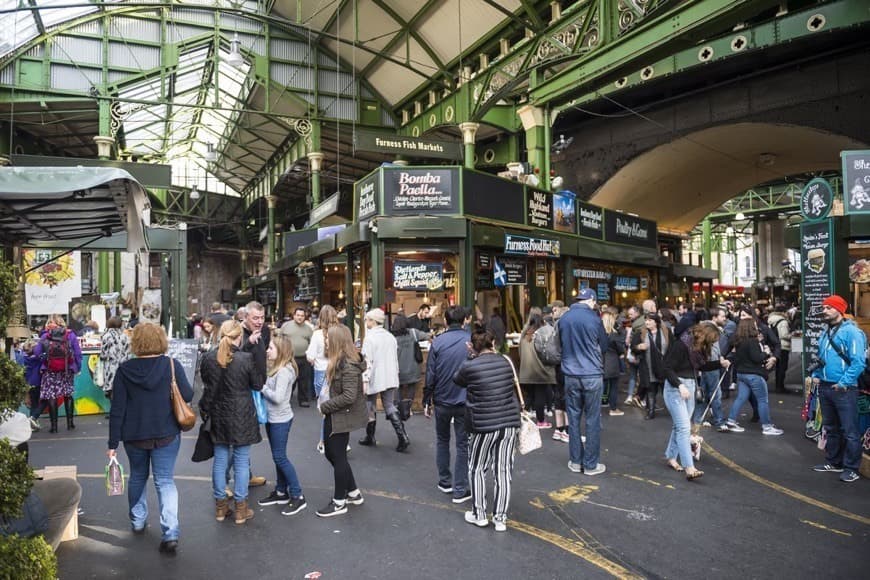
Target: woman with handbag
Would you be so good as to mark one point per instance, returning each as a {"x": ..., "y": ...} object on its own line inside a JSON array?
[
  {"x": 229, "y": 375},
  {"x": 410, "y": 356},
  {"x": 343, "y": 405},
  {"x": 276, "y": 392},
  {"x": 650, "y": 346},
  {"x": 492, "y": 419},
  {"x": 142, "y": 417},
  {"x": 536, "y": 378}
]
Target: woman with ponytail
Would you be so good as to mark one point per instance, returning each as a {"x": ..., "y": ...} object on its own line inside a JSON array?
[{"x": 229, "y": 375}]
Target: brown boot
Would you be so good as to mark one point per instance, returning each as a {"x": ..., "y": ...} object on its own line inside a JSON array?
[
  {"x": 243, "y": 512},
  {"x": 222, "y": 509}
]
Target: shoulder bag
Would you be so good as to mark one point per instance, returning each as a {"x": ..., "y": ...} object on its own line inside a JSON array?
[
  {"x": 530, "y": 436},
  {"x": 183, "y": 413}
]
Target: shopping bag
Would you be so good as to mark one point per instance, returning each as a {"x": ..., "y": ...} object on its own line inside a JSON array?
[
  {"x": 203, "y": 450},
  {"x": 530, "y": 435},
  {"x": 260, "y": 405},
  {"x": 114, "y": 477}
]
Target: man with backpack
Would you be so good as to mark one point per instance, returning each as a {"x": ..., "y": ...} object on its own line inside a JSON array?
[
  {"x": 779, "y": 323},
  {"x": 547, "y": 347},
  {"x": 61, "y": 355}
]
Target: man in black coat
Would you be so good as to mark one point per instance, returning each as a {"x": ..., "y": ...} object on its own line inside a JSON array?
[{"x": 255, "y": 340}]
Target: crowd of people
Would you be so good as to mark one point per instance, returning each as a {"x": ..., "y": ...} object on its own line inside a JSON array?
[{"x": 689, "y": 360}]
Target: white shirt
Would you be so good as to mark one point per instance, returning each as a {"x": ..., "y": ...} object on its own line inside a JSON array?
[
  {"x": 382, "y": 357},
  {"x": 316, "y": 351}
]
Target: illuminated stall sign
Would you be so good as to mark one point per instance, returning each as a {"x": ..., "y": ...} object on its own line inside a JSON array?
[
  {"x": 525, "y": 246},
  {"x": 423, "y": 276},
  {"x": 626, "y": 283},
  {"x": 421, "y": 191},
  {"x": 591, "y": 274}
]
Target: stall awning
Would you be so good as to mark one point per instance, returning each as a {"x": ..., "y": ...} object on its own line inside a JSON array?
[{"x": 70, "y": 203}]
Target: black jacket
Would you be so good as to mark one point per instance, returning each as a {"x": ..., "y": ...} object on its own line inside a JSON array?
[
  {"x": 677, "y": 363},
  {"x": 258, "y": 351},
  {"x": 491, "y": 400},
  {"x": 615, "y": 349},
  {"x": 656, "y": 358},
  {"x": 227, "y": 398},
  {"x": 749, "y": 358}
]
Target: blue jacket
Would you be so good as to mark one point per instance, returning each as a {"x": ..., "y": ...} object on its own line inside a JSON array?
[
  {"x": 583, "y": 341},
  {"x": 447, "y": 353},
  {"x": 140, "y": 400},
  {"x": 853, "y": 343}
]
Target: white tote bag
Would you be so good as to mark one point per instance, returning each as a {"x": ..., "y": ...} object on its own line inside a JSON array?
[{"x": 530, "y": 436}]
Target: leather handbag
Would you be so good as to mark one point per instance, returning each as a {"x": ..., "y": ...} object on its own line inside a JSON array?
[
  {"x": 183, "y": 413},
  {"x": 530, "y": 436}
]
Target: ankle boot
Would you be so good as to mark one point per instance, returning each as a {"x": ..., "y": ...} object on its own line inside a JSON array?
[
  {"x": 369, "y": 439},
  {"x": 405, "y": 409},
  {"x": 52, "y": 415},
  {"x": 397, "y": 424},
  {"x": 651, "y": 406},
  {"x": 243, "y": 512},
  {"x": 222, "y": 509},
  {"x": 70, "y": 408}
]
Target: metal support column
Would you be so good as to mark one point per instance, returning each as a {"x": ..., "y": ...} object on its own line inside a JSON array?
[
  {"x": 348, "y": 291},
  {"x": 469, "y": 135},
  {"x": 179, "y": 279},
  {"x": 706, "y": 243},
  {"x": 377, "y": 272},
  {"x": 272, "y": 201},
  {"x": 103, "y": 284},
  {"x": 315, "y": 163},
  {"x": 116, "y": 272}
]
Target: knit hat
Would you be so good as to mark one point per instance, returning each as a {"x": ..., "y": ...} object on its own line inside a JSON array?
[
  {"x": 836, "y": 302},
  {"x": 377, "y": 315}
]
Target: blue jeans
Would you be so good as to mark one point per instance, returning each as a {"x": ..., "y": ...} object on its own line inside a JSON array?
[
  {"x": 459, "y": 479},
  {"x": 840, "y": 420},
  {"x": 751, "y": 384},
  {"x": 319, "y": 377},
  {"x": 709, "y": 381},
  {"x": 583, "y": 395},
  {"x": 287, "y": 481},
  {"x": 681, "y": 412},
  {"x": 241, "y": 471},
  {"x": 162, "y": 466},
  {"x": 632, "y": 379}
]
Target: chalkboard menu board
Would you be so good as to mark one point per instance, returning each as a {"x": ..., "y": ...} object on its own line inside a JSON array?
[
  {"x": 185, "y": 351},
  {"x": 306, "y": 284},
  {"x": 515, "y": 271},
  {"x": 267, "y": 295},
  {"x": 602, "y": 291},
  {"x": 816, "y": 257},
  {"x": 856, "y": 181}
]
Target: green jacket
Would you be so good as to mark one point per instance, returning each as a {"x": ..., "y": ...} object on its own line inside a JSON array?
[{"x": 347, "y": 403}]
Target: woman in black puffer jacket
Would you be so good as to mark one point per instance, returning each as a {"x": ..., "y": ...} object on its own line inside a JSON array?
[
  {"x": 492, "y": 420},
  {"x": 229, "y": 375}
]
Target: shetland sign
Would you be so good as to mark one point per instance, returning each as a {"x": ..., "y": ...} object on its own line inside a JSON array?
[
  {"x": 423, "y": 276},
  {"x": 525, "y": 246}
]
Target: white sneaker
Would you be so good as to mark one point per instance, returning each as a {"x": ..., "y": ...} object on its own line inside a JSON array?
[
  {"x": 34, "y": 424},
  {"x": 557, "y": 435},
  {"x": 629, "y": 401},
  {"x": 771, "y": 430},
  {"x": 500, "y": 525},
  {"x": 597, "y": 470},
  {"x": 575, "y": 467},
  {"x": 734, "y": 427},
  {"x": 471, "y": 519}
]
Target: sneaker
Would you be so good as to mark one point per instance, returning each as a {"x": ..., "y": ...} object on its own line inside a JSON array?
[
  {"x": 275, "y": 498},
  {"x": 563, "y": 436},
  {"x": 355, "y": 498},
  {"x": 849, "y": 476},
  {"x": 500, "y": 525},
  {"x": 548, "y": 413},
  {"x": 445, "y": 488},
  {"x": 616, "y": 413},
  {"x": 582, "y": 439},
  {"x": 332, "y": 509},
  {"x": 575, "y": 467},
  {"x": 462, "y": 498},
  {"x": 771, "y": 430},
  {"x": 822, "y": 467},
  {"x": 34, "y": 424},
  {"x": 706, "y": 424},
  {"x": 348, "y": 448},
  {"x": 723, "y": 428},
  {"x": 544, "y": 425},
  {"x": 557, "y": 435},
  {"x": 472, "y": 519},
  {"x": 732, "y": 387},
  {"x": 296, "y": 505},
  {"x": 597, "y": 470},
  {"x": 734, "y": 427},
  {"x": 628, "y": 401}
]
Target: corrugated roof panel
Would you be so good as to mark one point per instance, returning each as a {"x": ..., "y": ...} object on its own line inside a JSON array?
[
  {"x": 135, "y": 56},
  {"x": 71, "y": 78},
  {"x": 292, "y": 76},
  {"x": 135, "y": 28},
  {"x": 77, "y": 50}
]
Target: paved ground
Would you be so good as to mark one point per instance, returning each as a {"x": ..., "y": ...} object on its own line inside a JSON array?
[{"x": 759, "y": 512}]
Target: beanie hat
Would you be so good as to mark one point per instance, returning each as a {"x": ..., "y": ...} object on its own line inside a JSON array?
[{"x": 836, "y": 302}]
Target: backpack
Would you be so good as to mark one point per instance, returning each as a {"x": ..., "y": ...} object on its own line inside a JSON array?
[
  {"x": 547, "y": 345},
  {"x": 57, "y": 351}
]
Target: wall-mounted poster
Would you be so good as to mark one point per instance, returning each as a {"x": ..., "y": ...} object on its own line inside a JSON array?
[
  {"x": 49, "y": 289},
  {"x": 564, "y": 214}
]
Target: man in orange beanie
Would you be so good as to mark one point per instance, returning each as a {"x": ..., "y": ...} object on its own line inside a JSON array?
[{"x": 842, "y": 356}]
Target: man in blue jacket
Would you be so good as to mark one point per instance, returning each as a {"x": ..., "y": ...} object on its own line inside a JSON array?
[
  {"x": 842, "y": 352},
  {"x": 583, "y": 343},
  {"x": 448, "y": 351}
]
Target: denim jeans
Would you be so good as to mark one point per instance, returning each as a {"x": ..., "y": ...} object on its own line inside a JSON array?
[
  {"x": 319, "y": 377},
  {"x": 241, "y": 471},
  {"x": 681, "y": 413},
  {"x": 612, "y": 390},
  {"x": 583, "y": 396},
  {"x": 459, "y": 479},
  {"x": 161, "y": 462},
  {"x": 632, "y": 379},
  {"x": 751, "y": 384},
  {"x": 286, "y": 478},
  {"x": 840, "y": 420},
  {"x": 709, "y": 382}
]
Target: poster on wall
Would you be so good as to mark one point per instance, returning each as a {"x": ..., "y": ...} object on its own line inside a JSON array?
[
  {"x": 420, "y": 191},
  {"x": 150, "y": 309},
  {"x": 856, "y": 181},
  {"x": 564, "y": 214},
  {"x": 510, "y": 272},
  {"x": 816, "y": 258},
  {"x": 49, "y": 289},
  {"x": 421, "y": 276},
  {"x": 306, "y": 282},
  {"x": 539, "y": 209}
]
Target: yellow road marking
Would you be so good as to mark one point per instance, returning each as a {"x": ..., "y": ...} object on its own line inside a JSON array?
[
  {"x": 572, "y": 493},
  {"x": 826, "y": 528},
  {"x": 649, "y": 481},
  {"x": 789, "y": 492}
]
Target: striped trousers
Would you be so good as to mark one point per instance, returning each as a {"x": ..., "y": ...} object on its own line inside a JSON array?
[{"x": 495, "y": 449}]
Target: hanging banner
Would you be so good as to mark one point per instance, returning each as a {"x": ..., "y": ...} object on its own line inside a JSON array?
[
  {"x": 564, "y": 214},
  {"x": 49, "y": 289},
  {"x": 591, "y": 221},
  {"x": 816, "y": 258},
  {"x": 376, "y": 142},
  {"x": 816, "y": 199},
  {"x": 526, "y": 246},
  {"x": 539, "y": 209},
  {"x": 856, "y": 181},
  {"x": 421, "y": 191},
  {"x": 422, "y": 276}
]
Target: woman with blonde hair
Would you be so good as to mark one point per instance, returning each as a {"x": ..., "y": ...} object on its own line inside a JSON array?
[
  {"x": 142, "y": 418},
  {"x": 61, "y": 355},
  {"x": 316, "y": 353},
  {"x": 229, "y": 375},
  {"x": 615, "y": 351},
  {"x": 281, "y": 375},
  {"x": 343, "y": 404}
]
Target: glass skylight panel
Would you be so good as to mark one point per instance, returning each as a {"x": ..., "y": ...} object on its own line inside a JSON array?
[
  {"x": 18, "y": 27},
  {"x": 53, "y": 16}
]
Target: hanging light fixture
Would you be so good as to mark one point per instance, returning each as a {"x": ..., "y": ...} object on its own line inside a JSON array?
[
  {"x": 210, "y": 153},
  {"x": 235, "y": 57},
  {"x": 194, "y": 193}
]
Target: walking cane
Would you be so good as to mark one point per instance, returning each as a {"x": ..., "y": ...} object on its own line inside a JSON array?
[{"x": 713, "y": 396}]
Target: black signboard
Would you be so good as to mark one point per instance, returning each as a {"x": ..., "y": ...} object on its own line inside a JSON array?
[
  {"x": 421, "y": 191},
  {"x": 816, "y": 259},
  {"x": 515, "y": 271},
  {"x": 267, "y": 295},
  {"x": 295, "y": 240},
  {"x": 591, "y": 220},
  {"x": 306, "y": 284},
  {"x": 816, "y": 199},
  {"x": 421, "y": 276},
  {"x": 492, "y": 197},
  {"x": 326, "y": 208},
  {"x": 366, "y": 195},
  {"x": 484, "y": 280},
  {"x": 526, "y": 246},
  {"x": 539, "y": 209},
  {"x": 540, "y": 279},
  {"x": 622, "y": 228},
  {"x": 484, "y": 261},
  {"x": 856, "y": 181},
  {"x": 591, "y": 274},
  {"x": 185, "y": 351},
  {"x": 603, "y": 292},
  {"x": 378, "y": 142},
  {"x": 626, "y": 283}
]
